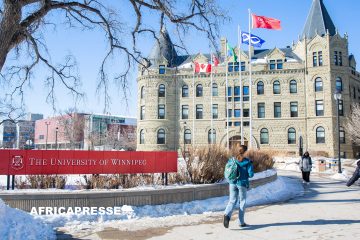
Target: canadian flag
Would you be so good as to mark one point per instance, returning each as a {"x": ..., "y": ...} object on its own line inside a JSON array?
[
  {"x": 202, "y": 67},
  {"x": 215, "y": 60}
]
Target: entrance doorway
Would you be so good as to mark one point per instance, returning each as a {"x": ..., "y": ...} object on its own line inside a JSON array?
[{"x": 235, "y": 141}]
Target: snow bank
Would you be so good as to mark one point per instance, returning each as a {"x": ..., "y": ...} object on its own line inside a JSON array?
[
  {"x": 16, "y": 224},
  {"x": 344, "y": 176},
  {"x": 280, "y": 190}
]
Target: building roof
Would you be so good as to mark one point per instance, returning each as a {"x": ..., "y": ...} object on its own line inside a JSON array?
[
  {"x": 318, "y": 21},
  {"x": 163, "y": 48}
]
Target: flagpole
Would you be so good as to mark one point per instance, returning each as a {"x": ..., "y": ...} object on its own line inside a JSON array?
[
  {"x": 193, "y": 83},
  {"x": 250, "y": 82},
  {"x": 241, "y": 89},
  {"x": 226, "y": 95},
  {"x": 211, "y": 97}
]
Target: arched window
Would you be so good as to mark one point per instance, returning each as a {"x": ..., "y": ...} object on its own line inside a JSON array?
[
  {"x": 161, "y": 136},
  {"x": 318, "y": 85},
  {"x": 212, "y": 136},
  {"x": 291, "y": 136},
  {"x": 161, "y": 90},
  {"x": 215, "y": 90},
  {"x": 293, "y": 86},
  {"x": 276, "y": 87},
  {"x": 185, "y": 91},
  {"x": 199, "y": 90},
  {"x": 264, "y": 136},
  {"x": 142, "y": 136},
  {"x": 187, "y": 136},
  {"x": 342, "y": 135},
  {"x": 260, "y": 88},
  {"x": 338, "y": 85},
  {"x": 142, "y": 92},
  {"x": 320, "y": 135}
]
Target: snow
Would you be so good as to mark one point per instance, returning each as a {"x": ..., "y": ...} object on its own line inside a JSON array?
[
  {"x": 344, "y": 176},
  {"x": 17, "y": 224},
  {"x": 165, "y": 215}
]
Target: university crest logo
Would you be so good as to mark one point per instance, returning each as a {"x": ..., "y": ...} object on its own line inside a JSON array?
[{"x": 17, "y": 162}]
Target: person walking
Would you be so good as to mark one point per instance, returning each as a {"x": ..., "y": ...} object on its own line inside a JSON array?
[
  {"x": 239, "y": 187},
  {"x": 305, "y": 165},
  {"x": 355, "y": 176}
]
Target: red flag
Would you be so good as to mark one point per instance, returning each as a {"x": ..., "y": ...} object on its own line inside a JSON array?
[
  {"x": 265, "y": 22},
  {"x": 215, "y": 60},
  {"x": 202, "y": 67}
]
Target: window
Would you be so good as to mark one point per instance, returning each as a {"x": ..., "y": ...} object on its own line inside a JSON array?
[
  {"x": 276, "y": 87},
  {"x": 318, "y": 85},
  {"x": 291, "y": 136},
  {"x": 185, "y": 91},
  {"x": 199, "y": 111},
  {"x": 354, "y": 90},
  {"x": 229, "y": 91},
  {"x": 237, "y": 91},
  {"x": 142, "y": 92},
  {"x": 41, "y": 137},
  {"x": 229, "y": 113},
  {"x": 236, "y": 99},
  {"x": 237, "y": 113},
  {"x": 279, "y": 64},
  {"x": 246, "y": 124},
  {"x": 314, "y": 59},
  {"x": 261, "y": 110},
  {"x": 162, "y": 69},
  {"x": 187, "y": 136},
  {"x": 293, "y": 86},
  {"x": 272, "y": 65},
  {"x": 242, "y": 66},
  {"x": 161, "y": 90},
  {"x": 246, "y": 112},
  {"x": 320, "y": 135},
  {"x": 320, "y": 58},
  {"x": 215, "y": 111},
  {"x": 142, "y": 136},
  {"x": 338, "y": 85},
  {"x": 277, "y": 110},
  {"x": 161, "y": 111},
  {"x": 212, "y": 136},
  {"x": 142, "y": 113},
  {"x": 260, "y": 88},
  {"x": 233, "y": 66},
  {"x": 185, "y": 112},
  {"x": 336, "y": 62},
  {"x": 319, "y": 107},
  {"x": 245, "y": 93},
  {"x": 341, "y": 108},
  {"x": 264, "y": 136},
  {"x": 237, "y": 124},
  {"x": 293, "y": 109},
  {"x": 340, "y": 59},
  {"x": 342, "y": 135},
  {"x": 230, "y": 124},
  {"x": 161, "y": 136},
  {"x": 215, "y": 90},
  {"x": 199, "y": 90}
]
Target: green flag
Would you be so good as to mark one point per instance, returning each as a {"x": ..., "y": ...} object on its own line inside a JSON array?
[{"x": 231, "y": 53}]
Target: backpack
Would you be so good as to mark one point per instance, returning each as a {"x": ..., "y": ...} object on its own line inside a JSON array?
[{"x": 231, "y": 172}]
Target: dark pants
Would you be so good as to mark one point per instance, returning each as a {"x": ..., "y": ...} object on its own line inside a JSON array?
[{"x": 306, "y": 176}]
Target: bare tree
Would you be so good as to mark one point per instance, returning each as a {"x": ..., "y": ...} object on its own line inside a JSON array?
[
  {"x": 71, "y": 127},
  {"x": 353, "y": 123},
  {"x": 22, "y": 23}
]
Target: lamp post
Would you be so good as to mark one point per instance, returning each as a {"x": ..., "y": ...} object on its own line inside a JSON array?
[
  {"x": 184, "y": 139},
  {"x": 337, "y": 97},
  {"x": 56, "y": 138},
  {"x": 47, "y": 131}
]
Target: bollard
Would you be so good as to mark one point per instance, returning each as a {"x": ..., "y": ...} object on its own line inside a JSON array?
[{"x": 8, "y": 182}]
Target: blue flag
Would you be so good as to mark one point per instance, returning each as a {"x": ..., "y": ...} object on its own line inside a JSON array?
[{"x": 255, "y": 40}]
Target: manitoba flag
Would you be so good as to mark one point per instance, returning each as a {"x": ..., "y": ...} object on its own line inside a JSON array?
[
  {"x": 265, "y": 22},
  {"x": 202, "y": 67}
]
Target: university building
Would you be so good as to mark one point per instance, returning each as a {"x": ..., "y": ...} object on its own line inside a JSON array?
[{"x": 292, "y": 94}]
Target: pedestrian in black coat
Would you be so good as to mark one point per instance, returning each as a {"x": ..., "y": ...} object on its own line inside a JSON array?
[{"x": 355, "y": 176}]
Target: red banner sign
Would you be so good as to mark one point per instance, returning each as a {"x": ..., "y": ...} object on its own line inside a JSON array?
[{"x": 46, "y": 162}]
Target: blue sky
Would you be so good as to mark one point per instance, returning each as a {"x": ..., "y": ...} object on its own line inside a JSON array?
[{"x": 89, "y": 47}]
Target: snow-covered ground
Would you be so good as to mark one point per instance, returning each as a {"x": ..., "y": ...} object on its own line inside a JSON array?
[
  {"x": 16, "y": 224},
  {"x": 137, "y": 218}
]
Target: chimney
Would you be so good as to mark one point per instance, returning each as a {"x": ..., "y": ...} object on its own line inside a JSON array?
[{"x": 223, "y": 47}]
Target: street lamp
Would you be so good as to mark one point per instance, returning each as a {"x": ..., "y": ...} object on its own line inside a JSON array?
[
  {"x": 184, "y": 138},
  {"x": 337, "y": 97},
  {"x": 56, "y": 138},
  {"x": 47, "y": 131}
]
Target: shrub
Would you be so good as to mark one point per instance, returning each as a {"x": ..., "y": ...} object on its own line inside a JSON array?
[
  {"x": 262, "y": 160},
  {"x": 40, "y": 182}
]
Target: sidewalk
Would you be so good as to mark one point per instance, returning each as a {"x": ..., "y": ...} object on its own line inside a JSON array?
[{"x": 328, "y": 210}]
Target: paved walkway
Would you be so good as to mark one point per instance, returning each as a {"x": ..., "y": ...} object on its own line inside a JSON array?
[{"x": 328, "y": 210}]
